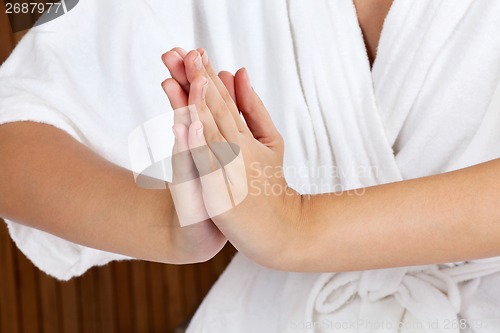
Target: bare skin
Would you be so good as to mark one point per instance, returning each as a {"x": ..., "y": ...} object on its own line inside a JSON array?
[
  {"x": 371, "y": 17},
  {"x": 444, "y": 218},
  {"x": 58, "y": 185},
  {"x": 51, "y": 182}
]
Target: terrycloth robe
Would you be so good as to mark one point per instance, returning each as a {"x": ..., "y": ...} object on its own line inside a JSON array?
[{"x": 429, "y": 105}]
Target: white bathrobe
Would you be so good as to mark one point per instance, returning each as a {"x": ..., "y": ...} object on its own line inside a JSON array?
[{"x": 429, "y": 105}]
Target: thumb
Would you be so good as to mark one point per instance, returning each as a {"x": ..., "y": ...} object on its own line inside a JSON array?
[{"x": 253, "y": 110}]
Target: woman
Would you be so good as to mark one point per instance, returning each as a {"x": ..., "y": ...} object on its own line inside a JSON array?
[
  {"x": 417, "y": 113},
  {"x": 438, "y": 219}
]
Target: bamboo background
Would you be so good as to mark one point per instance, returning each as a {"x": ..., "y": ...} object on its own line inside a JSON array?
[{"x": 121, "y": 297}]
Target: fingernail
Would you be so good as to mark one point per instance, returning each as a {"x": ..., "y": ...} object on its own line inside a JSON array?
[
  {"x": 204, "y": 57},
  {"x": 198, "y": 62},
  {"x": 177, "y": 55},
  {"x": 199, "y": 129},
  {"x": 247, "y": 77},
  {"x": 179, "y": 50}
]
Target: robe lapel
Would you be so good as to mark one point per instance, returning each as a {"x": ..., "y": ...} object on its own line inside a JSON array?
[{"x": 338, "y": 88}]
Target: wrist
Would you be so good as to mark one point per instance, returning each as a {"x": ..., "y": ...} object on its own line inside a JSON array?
[
  {"x": 197, "y": 243},
  {"x": 292, "y": 235}
]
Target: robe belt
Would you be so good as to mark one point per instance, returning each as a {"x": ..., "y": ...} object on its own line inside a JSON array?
[{"x": 429, "y": 293}]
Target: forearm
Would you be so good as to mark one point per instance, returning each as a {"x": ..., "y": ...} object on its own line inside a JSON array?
[
  {"x": 443, "y": 218},
  {"x": 51, "y": 182}
]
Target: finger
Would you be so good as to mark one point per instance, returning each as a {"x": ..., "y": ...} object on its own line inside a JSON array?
[
  {"x": 186, "y": 186},
  {"x": 182, "y": 163},
  {"x": 216, "y": 104},
  {"x": 176, "y": 95},
  {"x": 220, "y": 86},
  {"x": 256, "y": 116},
  {"x": 181, "y": 137},
  {"x": 199, "y": 110},
  {"x": 175, "y": 64},
  {"x": 237, "y": 182},
  {"x": 180, "y": 51},
  {"x": 178, "y": 100},
  {"x": 183, "y": 169},
  {"x": 219, "y": 95},
  {"x": 213, "y": 182},
  {"x": 182, "y": 120},
  {"x": 225, "y": 152},
  {"x": 224, "y": 123},
  {"x": 208, "y": 70},
  {"x": 228, "y": 80}
]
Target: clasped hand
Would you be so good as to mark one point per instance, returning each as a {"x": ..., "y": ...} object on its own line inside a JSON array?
[{"x": 222, "y": 161}]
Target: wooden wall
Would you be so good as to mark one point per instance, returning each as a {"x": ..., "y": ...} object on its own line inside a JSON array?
[
  {"x": 120, "y": 297},
  {"x": 7, "y": 39},
  {"x": 6, "y": 36}
]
